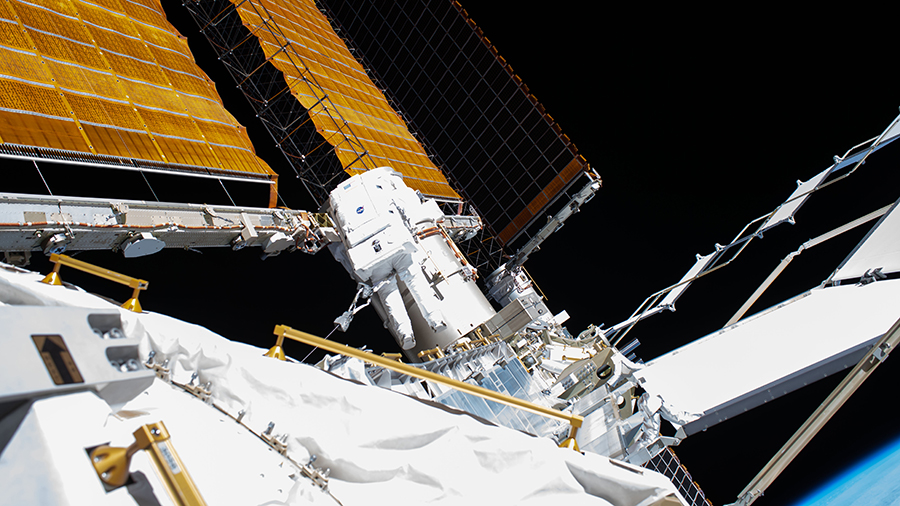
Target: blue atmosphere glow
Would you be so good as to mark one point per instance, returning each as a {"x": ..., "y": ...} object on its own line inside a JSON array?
[{"x": 873, "y": 481}]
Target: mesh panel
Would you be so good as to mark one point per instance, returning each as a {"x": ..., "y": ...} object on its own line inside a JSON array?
[
  {"x": 492, "y": 137},
  {"x": 297, "y": 36},
  {"x": 667, "y": 463}
]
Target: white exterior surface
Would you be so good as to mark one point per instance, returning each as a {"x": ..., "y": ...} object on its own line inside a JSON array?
[
  {"x": 881, "y": 249},
  {"x": 758, "y": 353},
  {"x": 786, "y": 211},
  {"x": 377, "y": 443},
  {"x": 699, "y": 265}
]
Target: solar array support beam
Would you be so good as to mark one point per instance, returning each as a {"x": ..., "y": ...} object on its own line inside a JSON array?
[{"x": 820, "y": 417}]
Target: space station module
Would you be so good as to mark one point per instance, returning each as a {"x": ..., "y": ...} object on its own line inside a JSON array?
[{"x": 395, "y": 245}]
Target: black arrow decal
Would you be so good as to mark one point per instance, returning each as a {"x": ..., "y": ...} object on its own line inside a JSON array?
[{"x": 57, "y": 359}]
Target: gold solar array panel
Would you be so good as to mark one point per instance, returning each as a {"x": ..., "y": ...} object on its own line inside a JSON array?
[
  {"x": 313, "y": 43},
  {"x": 113, "y": 77}
]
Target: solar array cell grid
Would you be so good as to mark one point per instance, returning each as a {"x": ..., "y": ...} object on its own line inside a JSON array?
[
  {"x": 112, "y": 77},
  {"x": 142, "y": 12}
]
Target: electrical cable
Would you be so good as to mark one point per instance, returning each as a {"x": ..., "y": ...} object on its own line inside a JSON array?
[
  {"x": 42, "y": 177},
  {"x": 316, "y": 348}
]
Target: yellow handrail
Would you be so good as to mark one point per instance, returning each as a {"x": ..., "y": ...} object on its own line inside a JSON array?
[
  {"x": 574, "y": 421},
  {"x": 137, "y": 284}
]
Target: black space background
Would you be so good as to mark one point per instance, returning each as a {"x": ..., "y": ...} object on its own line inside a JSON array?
[{"x": 698, "y": 121}]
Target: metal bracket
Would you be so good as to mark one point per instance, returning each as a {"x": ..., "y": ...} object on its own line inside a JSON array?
[
  {"x": 871, "y": 276},
  {"x": 202, "y": 392},
  {"x": 279, "y": 444},
  {"x": 112, "y": 464},
  {"x": 162, "y": 370}
]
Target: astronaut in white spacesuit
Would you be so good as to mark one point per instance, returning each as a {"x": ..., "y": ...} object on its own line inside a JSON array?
[{"x": 380, "y": 221}]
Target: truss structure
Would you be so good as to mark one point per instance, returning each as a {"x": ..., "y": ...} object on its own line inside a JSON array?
[{"x": 289, "y": 123}]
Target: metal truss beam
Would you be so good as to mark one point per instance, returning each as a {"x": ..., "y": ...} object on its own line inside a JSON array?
[{"x": 56, "y": 224}]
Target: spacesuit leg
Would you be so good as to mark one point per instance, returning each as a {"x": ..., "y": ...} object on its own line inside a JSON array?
[
  {"x": 397, "y": 317},
  {"x": 424, "y": 295}
]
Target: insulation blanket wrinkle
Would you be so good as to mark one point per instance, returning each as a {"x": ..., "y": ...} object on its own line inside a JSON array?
[{"x": 379, "y": 445}]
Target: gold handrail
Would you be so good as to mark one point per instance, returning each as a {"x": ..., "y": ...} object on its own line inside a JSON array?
[
  {"x": 574, "y": 421},
  {"x": 137, "y": 284}
]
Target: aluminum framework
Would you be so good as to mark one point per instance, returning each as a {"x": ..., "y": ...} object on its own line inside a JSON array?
[
  {"x": 497, "y": 146},
  {"x": 494, "y": 140},
  {"x": 311, "y": 157},
  {"x": 722, "y": 256}
]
